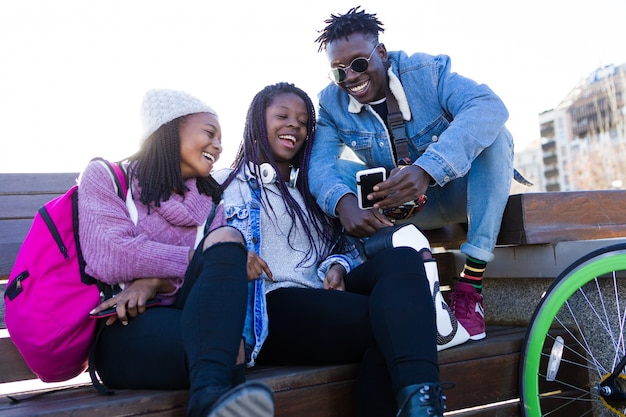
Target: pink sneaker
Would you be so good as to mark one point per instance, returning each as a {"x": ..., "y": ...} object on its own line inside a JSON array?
[{"x": 467, "y": 305}]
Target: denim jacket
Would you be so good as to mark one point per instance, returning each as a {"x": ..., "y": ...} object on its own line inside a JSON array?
[
  {"x": 242, "y": 207},
  {"x": 449, "y": 121}
]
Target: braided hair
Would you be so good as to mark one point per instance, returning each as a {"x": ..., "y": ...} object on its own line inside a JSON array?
[
  {"x": 255, "y": 148},
  {"x": 343, "y": 25},
  {"x": 157, "y": 167}
]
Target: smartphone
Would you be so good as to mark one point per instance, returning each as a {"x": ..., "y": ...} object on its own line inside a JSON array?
[
  {"x": 112, "y": 312},
  {"x": 365, "y": 181}
]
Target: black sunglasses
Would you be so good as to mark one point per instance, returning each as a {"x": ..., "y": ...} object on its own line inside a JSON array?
[{"x": 358, "y": 65}]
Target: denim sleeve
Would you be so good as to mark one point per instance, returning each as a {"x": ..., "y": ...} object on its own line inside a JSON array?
[
  {"x": 478, "y": 117},
  {"x": 349, "y": 260},
  {"x": 325, "y": 181}
]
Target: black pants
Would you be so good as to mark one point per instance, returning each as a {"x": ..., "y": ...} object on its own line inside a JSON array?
[
  {"x": 385, "y": 319},
  {"x": 193, "y": 344}
]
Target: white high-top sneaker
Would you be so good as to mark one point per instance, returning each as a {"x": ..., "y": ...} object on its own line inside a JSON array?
[{"x": 449, "y": 331}]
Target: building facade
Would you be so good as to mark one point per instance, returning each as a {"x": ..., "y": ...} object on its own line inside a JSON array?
[{"x": 583, "y": 140}]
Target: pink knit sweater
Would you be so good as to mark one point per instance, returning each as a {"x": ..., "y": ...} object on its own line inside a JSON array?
[{"x": 117, "y": 251}]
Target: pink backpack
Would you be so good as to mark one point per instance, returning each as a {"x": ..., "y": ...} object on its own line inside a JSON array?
[{"x": 49, "y": 295}]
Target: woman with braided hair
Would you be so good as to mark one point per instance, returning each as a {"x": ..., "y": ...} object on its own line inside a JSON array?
[
  {"x": 155, "y": 245},
  {"x": 317, "y": 302}
]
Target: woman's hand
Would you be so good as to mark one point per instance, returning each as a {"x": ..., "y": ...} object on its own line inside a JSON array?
[
  {"x": 334, "y": 278},
  {"x": 132, "y": 300},
  {"x": 256, "y": 266}
]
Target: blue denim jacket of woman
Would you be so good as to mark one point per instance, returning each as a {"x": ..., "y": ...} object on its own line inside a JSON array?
[
  {"x": 242, "y": 208},
  {"x": 456, "y": 131}
]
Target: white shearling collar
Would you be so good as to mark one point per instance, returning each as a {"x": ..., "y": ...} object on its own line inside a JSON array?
[{"x": 395, "y": 86}]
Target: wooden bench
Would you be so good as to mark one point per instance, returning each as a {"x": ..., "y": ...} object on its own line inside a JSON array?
[{"x": 491, "y": 364}]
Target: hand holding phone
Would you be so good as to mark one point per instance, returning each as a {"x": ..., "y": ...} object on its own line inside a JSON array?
[
  {"x": 365, "y": 181},
  {"x": 111, "y": 311}
]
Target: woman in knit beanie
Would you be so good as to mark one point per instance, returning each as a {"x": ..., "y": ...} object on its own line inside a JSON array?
[{"x": 155, "y": 246}]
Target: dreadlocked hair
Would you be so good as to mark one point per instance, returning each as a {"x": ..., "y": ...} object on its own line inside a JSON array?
[
  {"x": 255, "y": 149},
  {"x": 157, "y": 168},
  {"x": 343, "y": 25}
]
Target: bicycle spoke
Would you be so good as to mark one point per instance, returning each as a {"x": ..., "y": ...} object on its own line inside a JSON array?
[
  {"x": 570, "y": 401},
  {"x": 620, "y": 310},
  {"x": 585, "y": 346}
]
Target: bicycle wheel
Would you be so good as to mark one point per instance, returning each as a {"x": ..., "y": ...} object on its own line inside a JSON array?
[{"x": 576, "y": 338}]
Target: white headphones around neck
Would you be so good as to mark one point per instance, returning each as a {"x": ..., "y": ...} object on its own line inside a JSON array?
[{"x": 268, "y": 174}]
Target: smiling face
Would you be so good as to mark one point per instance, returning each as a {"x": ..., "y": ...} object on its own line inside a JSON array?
[
  {"x": 367, "y": 86},
  {"x": 286, "y": 119},
  {"x": 200, "y": 144}
]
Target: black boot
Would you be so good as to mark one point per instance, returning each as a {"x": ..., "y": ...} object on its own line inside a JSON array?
[
  {"x": 239, "y": 374},
  {"x": 421, "y": 400}
]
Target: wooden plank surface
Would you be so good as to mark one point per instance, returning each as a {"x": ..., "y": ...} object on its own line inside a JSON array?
[
  {"x": 37, "y": 183},
  {"x": 2, "y": 324},
  {"x": 12, "y": 234},
  {"x": 542, "y": 218},
  {"x": 22, "y": 206},
  {"x": 511, "y": 409},
  {"x": 87, "y": 402},
  {"x": 537, "y": 218},
  {"x": 311, "y": 391},
  {"x": 501, "y": 340},
  {"x": 12, "y": 366}
]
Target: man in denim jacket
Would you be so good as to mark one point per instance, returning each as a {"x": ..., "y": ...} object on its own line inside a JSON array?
[{"x": 461, "y": 155}]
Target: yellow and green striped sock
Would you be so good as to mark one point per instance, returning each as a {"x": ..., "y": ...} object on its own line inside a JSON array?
[{"x": 473, "y": 273}]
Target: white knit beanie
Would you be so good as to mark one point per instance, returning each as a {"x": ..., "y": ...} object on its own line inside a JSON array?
[{"x": 161, "y": 106}]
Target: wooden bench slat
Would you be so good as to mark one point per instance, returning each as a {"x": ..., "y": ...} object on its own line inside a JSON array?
[
  {"x": 450, "y": 236},
  {"x": 327, "y": 400},
  {"x": 55, "y": 183},
  {"x": 511, "y": 409},
  {"x": 22, "y": 206},
  {"x": 551, "y": 217},
  {"x": 537, "y": 218},
  {"x": 12, "y": 365},
  {"x": 86, "y": 401},
  {"x": 476, "y": 362},
  {"x": 12, "y": 234},
  {"x": 7, "y": 263},
  {"x": 288, "y": 378},
  {"x": 14, "y": 231}
]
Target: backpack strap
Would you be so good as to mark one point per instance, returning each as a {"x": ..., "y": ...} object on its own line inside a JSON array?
[
  {"x": 118, "y": 176},
  {"x": 120, "y": 180},
  {"x": 91, "y": 368}
]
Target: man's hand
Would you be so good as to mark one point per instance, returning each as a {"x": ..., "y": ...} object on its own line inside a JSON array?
[
  {"x": 357, "y": 222},
  {"x": 405, "y": 183}
]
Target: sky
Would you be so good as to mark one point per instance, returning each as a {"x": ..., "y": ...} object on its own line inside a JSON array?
[{"x": 73, "y": 72}]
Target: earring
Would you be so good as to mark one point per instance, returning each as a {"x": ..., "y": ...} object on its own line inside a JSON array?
[{"x": 293, "y": 177}]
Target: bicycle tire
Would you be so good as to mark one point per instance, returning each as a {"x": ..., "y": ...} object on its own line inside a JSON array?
[{"x": 583, "y": 332}]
